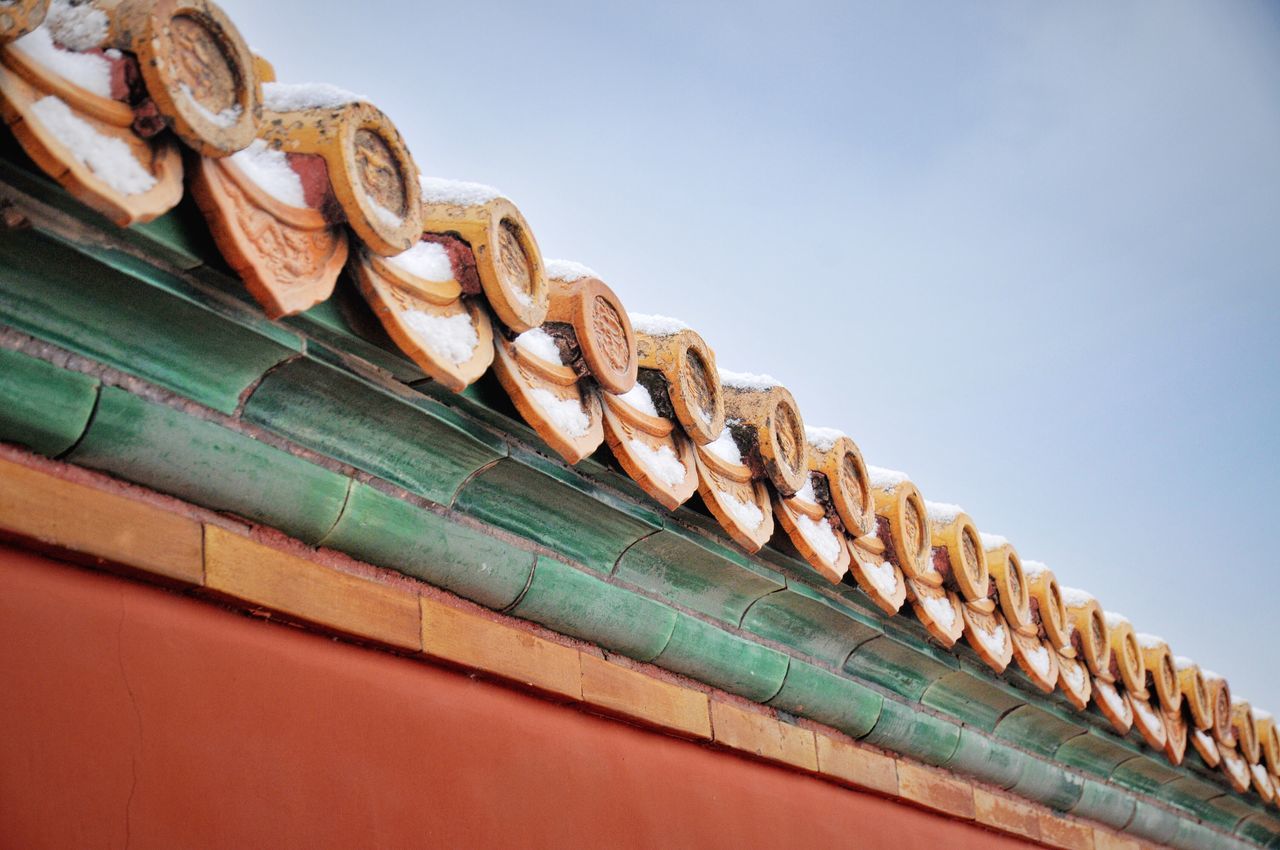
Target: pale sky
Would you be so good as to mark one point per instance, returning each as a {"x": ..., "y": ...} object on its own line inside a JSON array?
[{"x": 1027, "y": 252}]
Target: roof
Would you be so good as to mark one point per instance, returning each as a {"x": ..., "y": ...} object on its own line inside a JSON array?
[{"x": 408, "y": 331}]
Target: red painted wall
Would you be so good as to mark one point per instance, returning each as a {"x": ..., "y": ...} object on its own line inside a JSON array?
[{"x": 134, "y": 716}]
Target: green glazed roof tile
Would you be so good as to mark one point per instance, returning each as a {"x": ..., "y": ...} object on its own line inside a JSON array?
[
  {"x": 64, "y": 297},
  {"x": 703, "y": 652},
  {"x": 1152, "y": 823},
  {"x": 1143, "y": 774},
  {"x": 904, "y": 729},
  {"x": 535, "y": 499},
  {"x": 1048, "y": 783},
  {"x": 328, "y": 325},
  {"x": 970, "y": 698},
  {"x": 809, "y": 622},
  {"x": 1104, "y": 804},
  {"x": 436, "y": 548},
  {"x": 827, "y": 698},
  {"x": 202, "y": 462},
  {"x": 42, "y": 406},
  {"x": 1260, "y": 829},
  {"x": 373, "y": 428},
  {"x": 180, "y": 236},
  {"x": 1193, "y": 836},
  {"x": 987, "y": 759},
  {"x": 1036, "y": 730},
  {"x": 895, "y": 666},
  {"x": 574, "y": 603},
  {"x": 696, "y": 573},
  {"x": 1094, "y": 752}
]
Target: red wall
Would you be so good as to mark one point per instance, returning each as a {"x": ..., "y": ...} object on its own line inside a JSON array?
[{"x": 131, "y": 715}]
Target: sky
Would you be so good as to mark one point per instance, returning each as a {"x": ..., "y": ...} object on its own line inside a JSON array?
[{"x": 1027, "y": 252}]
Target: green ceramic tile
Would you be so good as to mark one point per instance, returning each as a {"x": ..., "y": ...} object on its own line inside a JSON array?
[
  {"x": 236, "y": 305},
  {"x": 970, "y": 697},
  {"x": 893, "y": 665},
  {"x": 1143, "y": 774},
  {"x": 574, "y": 603},
  {"x": 344, "y": 323},
  {"x": 537, "y": 500},
  {"x": 1104, "y": 804},
  {"x": 1152, "y": 823},
  {"x": 167, "y": 450},
  {"x": 805, "y": 620},
  {"x": 696, "y": 573},
  {"x": 1189, "y": 794},
  {"x": 1036, "y": 730},
  {"x": 703, "y": 652},
  {"x": 1047, "y": 783},
  {"x": 66, "y": 298},
  {"x": 42, "y": 406},
  {"x": 445, "y": 550},
  {"x": 827, "y": 698},
  {"x": 179, "y": 236},
  {"x": 1231, "y": 805},
  {"x": 986, "y": 759},
  {"x": 1194, "y": 836},
  {"x": 1260, "y": 829},
  {"x": 1095, "y": 752},
  {"x": 914, "y": 733},
  {"x": 379, "y": 429}
]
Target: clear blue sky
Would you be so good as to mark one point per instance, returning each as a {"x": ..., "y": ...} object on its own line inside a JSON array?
[{"x": 1027, "y": 252}]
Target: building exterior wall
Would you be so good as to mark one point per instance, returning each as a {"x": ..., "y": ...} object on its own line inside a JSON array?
[{"x": 136, "y": 716}]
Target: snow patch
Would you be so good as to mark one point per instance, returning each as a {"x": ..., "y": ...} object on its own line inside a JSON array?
[
  {"x": 1104, "y": 692},
  {"x": 1037, "y": 657},
  {"x": 1074, "y": 675},
  {"x": 388, "y": 218},
  {"x": 725, "y": 448},
  {"x": 437, "y": 190},
  {"x": 822, "y": 439},
  {"x": 425, "y": 261},
  {"x": 453, "y": 337},
  {"x": 806, "y": 493},
  {"x": 567, "y": 270},
  {"x": 886, "y": 479},
  {"x": 1034, "y": 569},
  {"x": 1150, "y": 641},
  {"x": 746, "y": 514},
  {"x": 747, "y": 380},
  {"x": 225, "y": 118},
  {"x": 883, "y": 576},
  {"x": 943, "y": 512},
  {"x": 1074, "y": 597},
  {"x": 992, "y": 541},
  {"x": 819, "y": 535},
  {"x": 1114, "y": 620},
  {"x": 638, "y": 397},
  {"x": 295, "y": 97},
  {"x": 565, "y": 414},
  {"x": 1149, "y": 716},
  {"x": 110, "y": 159},
  {"x": 82, "y": 27},
  {"x": 270, "y": 171},
  {"x": 540, "y": 344},
  {"x": 656, "y": 325},
  {"x": 940, "y": 610},
  {"x": 89, "y": 71},
  {"x": 661, "y": 461},
  {"x": 1182, "y": 662}
]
